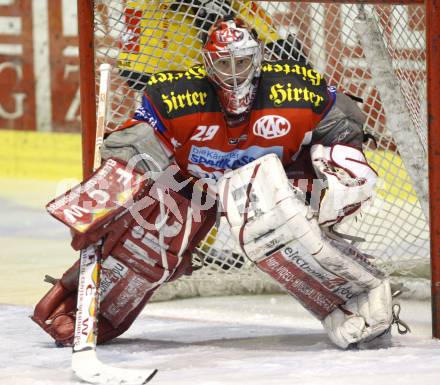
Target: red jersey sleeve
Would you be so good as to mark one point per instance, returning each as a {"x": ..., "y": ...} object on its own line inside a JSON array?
[{"x": 146, "y": 112}]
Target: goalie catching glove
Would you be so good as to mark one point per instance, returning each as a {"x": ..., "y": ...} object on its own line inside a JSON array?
[
  {"x": 348, "y": 182},
  {"x": 276, "y": 231}
]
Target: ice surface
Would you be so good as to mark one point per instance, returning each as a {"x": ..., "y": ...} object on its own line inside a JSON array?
[{"x": 259, "y": 340}]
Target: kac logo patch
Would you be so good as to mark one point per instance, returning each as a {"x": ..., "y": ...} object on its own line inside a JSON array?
[{"x": 271, "y": 126}]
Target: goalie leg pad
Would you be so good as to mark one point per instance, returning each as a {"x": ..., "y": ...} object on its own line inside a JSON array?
[
  {"x": 55, "y": 313},
  {"x": 276, "y": 232},
  {"x": 362, "y": 318},
  {"x": 137, "y": 259},
  {"x": 316, "y": 289},
  {"x": 265, "y": 213}
]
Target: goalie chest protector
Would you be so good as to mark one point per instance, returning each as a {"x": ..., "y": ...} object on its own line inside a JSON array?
[{"x": 184, "y": 110}]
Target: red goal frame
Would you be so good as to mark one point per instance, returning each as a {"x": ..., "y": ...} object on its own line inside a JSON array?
[{"x": 88, "y": 116}]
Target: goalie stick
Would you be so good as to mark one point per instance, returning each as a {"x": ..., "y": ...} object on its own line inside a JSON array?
[{"x": 85, "y": 363}]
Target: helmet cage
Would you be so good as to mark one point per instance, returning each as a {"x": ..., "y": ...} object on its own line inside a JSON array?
[
  {"x": 232, "y": 56},
  {"x": 244, "y": 66}
]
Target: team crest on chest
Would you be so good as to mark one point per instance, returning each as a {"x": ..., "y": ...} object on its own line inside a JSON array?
[{"x": 271, "y": 126}]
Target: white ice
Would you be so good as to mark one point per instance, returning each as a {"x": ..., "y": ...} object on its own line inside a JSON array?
[{"x": 257, "y": 340}]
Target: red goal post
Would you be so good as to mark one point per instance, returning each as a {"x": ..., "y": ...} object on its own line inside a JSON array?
[
  {"x": 433, "y": 88},
  {"x": 431, "y": 15}
]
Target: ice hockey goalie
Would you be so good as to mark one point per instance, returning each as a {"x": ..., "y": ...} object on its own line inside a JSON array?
[{"x": 256, "y": 130}]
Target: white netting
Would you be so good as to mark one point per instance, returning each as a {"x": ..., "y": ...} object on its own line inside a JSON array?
[{"x": 141, "y": 37}]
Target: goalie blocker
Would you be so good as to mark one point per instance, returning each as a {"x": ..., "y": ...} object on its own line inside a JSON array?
[
  {"x": 148, "y": 230},
  {"x": 281, "y": 235}
]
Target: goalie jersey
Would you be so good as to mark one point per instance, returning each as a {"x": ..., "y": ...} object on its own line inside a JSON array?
[{"x": 182, "y": 107}]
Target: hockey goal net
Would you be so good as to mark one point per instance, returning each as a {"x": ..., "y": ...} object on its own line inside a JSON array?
[{"x": 376, "y": 52}]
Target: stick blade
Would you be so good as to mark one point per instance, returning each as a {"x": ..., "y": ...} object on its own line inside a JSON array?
[{"x": 87, "y": 367}]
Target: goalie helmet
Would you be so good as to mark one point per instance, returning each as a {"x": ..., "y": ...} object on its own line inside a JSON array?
[{"x": 232, "y": 56}]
